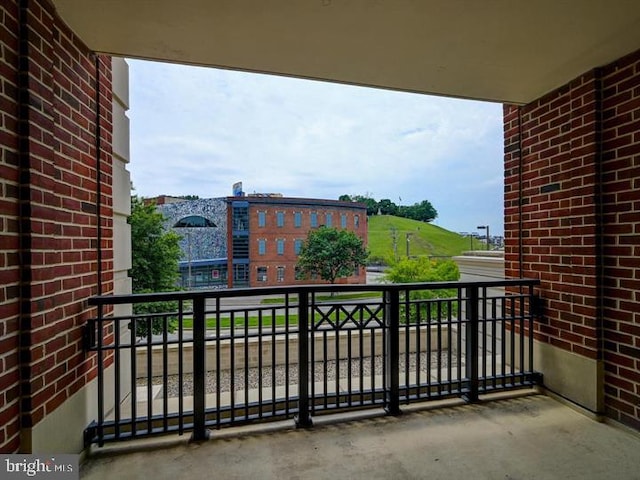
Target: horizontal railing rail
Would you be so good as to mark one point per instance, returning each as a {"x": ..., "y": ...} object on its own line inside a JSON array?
[{"x": 200, "y": 360}]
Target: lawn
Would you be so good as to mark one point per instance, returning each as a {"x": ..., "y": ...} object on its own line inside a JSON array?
[
  {"x": 322, "y": 298},
  {"x": 425, "y": 239},
  {"x": 253, "y": 321}
]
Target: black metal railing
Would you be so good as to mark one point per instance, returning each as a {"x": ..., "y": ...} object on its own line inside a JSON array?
[{"x": 227, "y": 357}]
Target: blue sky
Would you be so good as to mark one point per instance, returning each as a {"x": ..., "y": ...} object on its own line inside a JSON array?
[{"x": 199, "y": 130}]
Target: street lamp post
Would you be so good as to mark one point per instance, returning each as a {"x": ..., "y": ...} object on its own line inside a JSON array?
[
  {"x": 192, "y": 221},
  {"x": 485, "y": 227}
]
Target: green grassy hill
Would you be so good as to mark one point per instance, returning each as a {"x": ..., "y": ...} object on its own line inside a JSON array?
[{"x": 425, "y": 239}]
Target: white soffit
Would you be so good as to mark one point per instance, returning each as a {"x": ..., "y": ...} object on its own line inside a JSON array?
[{"x": 510, "y": 51}]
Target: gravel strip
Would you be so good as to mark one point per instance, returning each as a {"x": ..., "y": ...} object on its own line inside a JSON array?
[{"x": 332, "y": 368}]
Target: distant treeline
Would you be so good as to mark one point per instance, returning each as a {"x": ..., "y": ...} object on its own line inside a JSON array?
[{"x": 422, "y": 211}]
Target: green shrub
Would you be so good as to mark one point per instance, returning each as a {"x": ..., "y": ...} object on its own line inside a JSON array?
[{"x": 416, "y": 270}]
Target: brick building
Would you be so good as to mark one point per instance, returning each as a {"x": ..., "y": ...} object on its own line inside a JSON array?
[{"x": 267, "y": 232}]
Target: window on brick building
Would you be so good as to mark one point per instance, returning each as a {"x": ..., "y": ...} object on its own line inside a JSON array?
[
  {"x": 329, "y": 219},
  {"x": 343, "y": 220},
  {"x": 314, "y": 219},
  {"x": 297, "y": 219},
  {"x": 297, "y": 246},
  {"x": 280, "y": 246},
  {"x": 280, "y": 274},
  {"x": 262, "y": 274},
  {"x": 280, "y": 219},
  {"x": 262, "y": 246},
  {"x": 262, "y": 219},
  {"x": 356, "y": 221}
]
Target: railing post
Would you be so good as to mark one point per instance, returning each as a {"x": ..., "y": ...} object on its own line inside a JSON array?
[
  {"x": 303, "y": 419},
  {"x": 471, "y": 344},
  {"x": 199, "y": 370},
  {"x": 392, "y": 352},
  {"x": 100, "y": 354}
]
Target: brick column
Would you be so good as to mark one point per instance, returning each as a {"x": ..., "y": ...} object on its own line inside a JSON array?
[
  {"x": 552, "y": 221},
  {"x": 57, "y": 123}
]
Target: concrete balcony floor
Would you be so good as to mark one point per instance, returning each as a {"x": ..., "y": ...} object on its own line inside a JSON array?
[{"x": 505, "y": 437}]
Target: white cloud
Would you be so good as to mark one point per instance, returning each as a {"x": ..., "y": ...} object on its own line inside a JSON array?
[{"x": 198, "y": 130}]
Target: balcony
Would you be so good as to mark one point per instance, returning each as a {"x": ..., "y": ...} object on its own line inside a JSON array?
[
  {"x": 307, "y": 352},
  {"x": 388, "y": 381}
]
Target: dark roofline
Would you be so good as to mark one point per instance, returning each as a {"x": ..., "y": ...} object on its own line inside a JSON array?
[{"x": 303, "y": 202}]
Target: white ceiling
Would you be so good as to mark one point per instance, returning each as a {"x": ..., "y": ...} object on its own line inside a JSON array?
[{"x": 501, "y": 50}]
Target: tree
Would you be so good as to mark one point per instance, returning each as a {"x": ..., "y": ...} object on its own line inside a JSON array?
[
  {"x": 387, "y": 207},
  {"x": 331, "y": 253},
  {"x": 155, "y": 252},
  {"x": 372, "y": 205},
  {"x": 423, "y": 211},
  {"x": 154, "y": 262}
]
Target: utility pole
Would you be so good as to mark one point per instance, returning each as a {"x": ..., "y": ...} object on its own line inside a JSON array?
[{"x": 394, "y": 237}]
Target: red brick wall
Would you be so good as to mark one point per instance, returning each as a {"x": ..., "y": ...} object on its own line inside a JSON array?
[
  {"x": 271, "y": 232},
  {"x": 60, "y": 201},
  {"x": 572, "y": 213},
  {"x": 550, "y": 210},
  {"x": 289, "y": 233}
]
